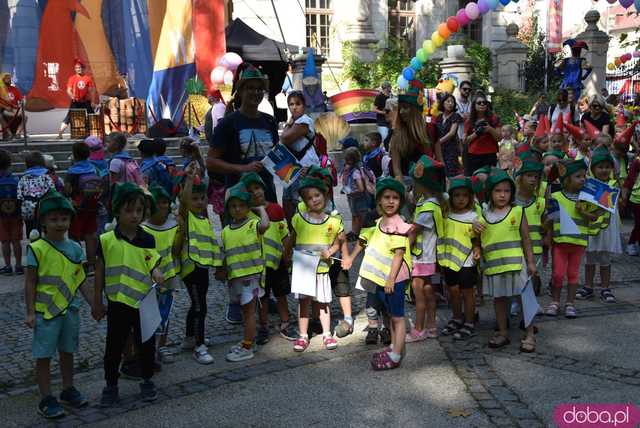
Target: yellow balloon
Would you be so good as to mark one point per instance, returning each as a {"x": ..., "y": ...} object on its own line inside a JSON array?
[
  {"x": 611, "y": 66},
  {"x": 427, "y": 45},
  {"x": 437, "y": 39}
]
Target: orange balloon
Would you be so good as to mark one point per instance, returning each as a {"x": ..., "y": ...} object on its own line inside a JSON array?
[
  {"x": 444, "y": 31},
  {"x": 617, "y": 62}
]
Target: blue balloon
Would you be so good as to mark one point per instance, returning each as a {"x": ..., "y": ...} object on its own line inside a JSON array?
[
  {"x": 415, "y": 64},
  {"x": 402, "y": 82},
  {"x": 493, "y": 4},
  {"x": 408, "y": 73},
  {"x": 637, "y": 4},
  {"x": 505, "y": 2}
]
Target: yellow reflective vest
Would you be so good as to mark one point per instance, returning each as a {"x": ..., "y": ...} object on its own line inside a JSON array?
[
  {"x": 569, "y": 206},
  {"x": 164, "y": 244},
  {"x": 243, "y": 249},
  {"x": 426, "y": 206},
  {"x": 534, "y": 212},
  {"x": 272, "y": 246},
  {"x": 127, "y": 269},
  {"x": 379, "y": 252},
  {"x": 316, "y": 237},
  {"x": 58, "y": 279},
  {"x": 200, "y": 246},
  {"x": 457, "y": 244},
  {"x": 502, "y": 244}
]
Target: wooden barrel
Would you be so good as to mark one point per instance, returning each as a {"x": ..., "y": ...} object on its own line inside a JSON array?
[
  {"x": 111, "y": 110},
  {"x": 94, "y": 125},
  {"x": 78, "y": 122}
]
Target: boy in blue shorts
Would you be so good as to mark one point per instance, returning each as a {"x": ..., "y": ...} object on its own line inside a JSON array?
[{"x": 53, "y": 276}]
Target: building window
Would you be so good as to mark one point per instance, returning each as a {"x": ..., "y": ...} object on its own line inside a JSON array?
[
  {"x": 401, "y": 22},
  {"x": 472, "y": 31},
  {"x": 318, "y": 15}
]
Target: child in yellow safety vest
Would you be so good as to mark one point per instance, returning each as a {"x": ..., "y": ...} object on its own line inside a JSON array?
[
  {"x": 461, "y": 252},
  {"x": 244, "y": 262},
  {"x": 506, "y": 249},
  {"x": 277, "y": 280},
  {"x": 320, "y": 233},
  {"x": 428, "y": 182},
  {"x": 386, "y": 267},
  {"x": 54, "y": 275},
  {"x": 162, "y": 225},
  {"x": 563, "y": 209},
  {"x": 126, "y": 269},
  {"x": 607, "y": 239},
  {"x": 200, "y": 251}
]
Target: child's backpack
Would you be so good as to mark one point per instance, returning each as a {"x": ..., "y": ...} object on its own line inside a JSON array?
[
  {"x": 158, "y": 175},
  {"x": 325, "y": 162},
  {"x": 369, "y": 179},
  {"x": 131, "y": 172},
  {"x": 90, "y": 187},
  {"x": 9, "y": 204}
]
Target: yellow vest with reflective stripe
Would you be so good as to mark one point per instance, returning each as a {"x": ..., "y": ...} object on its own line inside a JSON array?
[
  {"x": 272, "y": 246},
  {"x": 378, "y": 255},
  {"x": 569, "y": 207},
  {"x": 316, "y": 237},
  {"x": 242, "y": 249},
  {"x": 164, "y": 243},
  {"x": 127, "y": 269},
  {"x": 542, "y": 190},
  {"x": 502, "y": 244},
  {"x": 457, "y": 244},
  {"x": 635, "y": 191},
  {"x": 534, "y": 212},
  {"x": 58, "y": 279},
  {"x": 200, "y": 246},
  {"x": 434, "y": 208}
]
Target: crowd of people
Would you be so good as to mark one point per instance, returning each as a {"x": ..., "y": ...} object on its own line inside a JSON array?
[{"x": 458, "y": 205}]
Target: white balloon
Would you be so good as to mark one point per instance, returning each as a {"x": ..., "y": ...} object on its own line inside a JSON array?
[
  {"x": 217, "y": 74},
  {"x": 228, "y": 77}
]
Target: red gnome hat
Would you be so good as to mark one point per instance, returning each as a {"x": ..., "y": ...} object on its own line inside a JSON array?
[
  {"x": 620, "y": 119},
  {"x": 592, "y": 131},
  {"x": 624, "y": 138},
  {"x": 558, "y": 127},
  {"x": 543, "y": 126},
  {"x": 576, "y": 132}
]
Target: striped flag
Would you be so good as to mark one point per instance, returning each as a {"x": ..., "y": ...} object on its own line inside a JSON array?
[{"x": 554, "y": 27}]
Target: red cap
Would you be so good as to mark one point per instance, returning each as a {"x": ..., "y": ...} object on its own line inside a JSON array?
[
  {"x": 543, "y": 126},
  {"x": 79, "y": 62},
  {"x": 576, "y": 132},
  {"x": 558, "y": 127},
  {"x": 592, "y": 131}
]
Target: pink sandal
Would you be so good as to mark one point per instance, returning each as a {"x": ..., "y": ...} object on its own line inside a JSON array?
[
  {"x": 431, "y": 333},
  {"x": 329, "y": 343},
  {"x": 382, "y": 361},
  {"x": 300, "y": 344}
]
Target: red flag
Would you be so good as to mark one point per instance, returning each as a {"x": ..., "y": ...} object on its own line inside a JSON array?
[{"x": 554, "y": 16}]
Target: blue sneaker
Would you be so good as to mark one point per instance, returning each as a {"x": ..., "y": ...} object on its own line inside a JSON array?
[
  {"x": 72, "y": 397},
  {"x": 148, "y": 391},
  {"x": 110, "y": 396},
  {"x": 234, "y": 313},
  {"x": 50, "y": 408}
]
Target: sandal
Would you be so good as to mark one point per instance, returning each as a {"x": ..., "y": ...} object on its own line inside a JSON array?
[
  {"x": 300, "y": 344},
  {"x": 382, "y": 361},
  {"x": 465, "y": 332},
  {"x": 607, "y": 296},
  {"x": 329, "y": 343},
  {"x": 552, "y": 309},
  {"x": 570, "y": 311},
  {"x": 431, "y": 332},
  {"x": 499, "y": 341},
  {"x": 451, "y": 327},
  {"x": 528, "y": 345}
]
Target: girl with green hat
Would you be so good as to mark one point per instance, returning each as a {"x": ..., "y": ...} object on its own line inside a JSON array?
[{"x": 607, "y": 241}]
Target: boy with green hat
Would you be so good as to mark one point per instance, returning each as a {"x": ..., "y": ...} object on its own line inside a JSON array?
[
  {"x": 54, "y": 274},
  {"x": 244, "y": 262}
]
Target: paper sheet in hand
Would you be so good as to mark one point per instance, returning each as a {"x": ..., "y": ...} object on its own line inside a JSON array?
[
  {"x": 303, "y": 276},
  {"x": 149, "y": 315},
  {"x": 281, "y": 163},
  {"x": 567, "y": 225},
  {"x": 529, "y": 303},
  {"x": 600, "y": 194}
]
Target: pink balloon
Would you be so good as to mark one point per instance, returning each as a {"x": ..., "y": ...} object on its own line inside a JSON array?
[
  {"x": 611, "y": 1},
  {"x": 230, "y": 60},
  {"x": 217, "y": 74},
  {"x": 473, "y": 12},
  {"x": 462, "y": 18},
  {"x": 636, "y": 54}
]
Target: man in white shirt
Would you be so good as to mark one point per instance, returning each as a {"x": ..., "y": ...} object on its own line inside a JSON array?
[{"x": 464, "y": 104}]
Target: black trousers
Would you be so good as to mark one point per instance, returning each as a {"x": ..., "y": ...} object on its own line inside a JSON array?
[
  {"x": 197, "y": 283},
  {"x": 121, "y": 319}
]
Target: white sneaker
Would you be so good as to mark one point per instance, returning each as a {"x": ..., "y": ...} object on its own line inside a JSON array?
[
  {"x": 202, "y": 356},
  {"x": 188, "y": 343},
  {"x": 632, "y": 249},
  {"x": 239, "y": 353}
]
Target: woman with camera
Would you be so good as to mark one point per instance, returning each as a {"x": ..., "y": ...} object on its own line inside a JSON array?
[{"x": 481, "y": 135}]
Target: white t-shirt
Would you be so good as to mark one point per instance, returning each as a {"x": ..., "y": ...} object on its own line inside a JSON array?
[
  {"x": 429, "y": 236},
  {"x": 566, "y": 112},
  {"x": 468, "y": 217},
  {"x": 464, "y": 108},
  {"x": 310, "y": 157}
]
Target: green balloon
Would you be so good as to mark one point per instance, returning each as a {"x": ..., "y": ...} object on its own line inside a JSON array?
[
  {"x": 428, "y": 47},
  {"x": 422, "y": 55}
]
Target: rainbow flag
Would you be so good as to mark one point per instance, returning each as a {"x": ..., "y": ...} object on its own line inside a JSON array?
[{"x": 355, "y": 105}]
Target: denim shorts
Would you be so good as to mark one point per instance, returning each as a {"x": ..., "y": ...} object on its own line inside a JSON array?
[{"x": 57, "y": 334}]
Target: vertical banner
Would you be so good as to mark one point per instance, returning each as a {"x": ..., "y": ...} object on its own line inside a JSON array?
[
  {"x": 137, "y": 47},
  {"x": 208, "y": 30},
  {"x": 21, "y": 42},
  {"x": 554, "y": 27}
]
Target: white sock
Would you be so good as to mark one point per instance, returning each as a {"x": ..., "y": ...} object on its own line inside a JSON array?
[
  {"x": 349, "y": 320},
  {"x": 394, "y": 357}
]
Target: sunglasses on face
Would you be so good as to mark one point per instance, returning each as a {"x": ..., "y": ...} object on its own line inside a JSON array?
[
  {"x": 387, "y": 110},
  {"x": 596, "y": 106},
  {"x": 465, "y": 89},
  {"x": 481, "y": 103}
]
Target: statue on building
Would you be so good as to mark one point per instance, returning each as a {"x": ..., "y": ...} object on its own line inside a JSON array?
[
  {"x": 311, "y": 87},
  {"x": 574, "y": 69}
]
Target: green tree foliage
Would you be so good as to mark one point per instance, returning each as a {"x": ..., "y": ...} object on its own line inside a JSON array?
[
  {"x": 534, "y": 68},
  {"x": 482, "y": 63},
  {"x": 506, "y": 103}
]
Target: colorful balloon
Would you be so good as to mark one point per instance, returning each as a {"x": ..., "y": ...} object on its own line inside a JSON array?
[
  {"x": 443, "y": 30},
  {"x": 637, "y": 4},
  {"x": 408, "y": 73},
  {"x": 493, "y": 4},
  {"x": 228, "y": 77},
  {"x": 415, "y": 63},
  {"x": 611, "y": 1},
  {"x": 422, "y": 55},
  {"x": 473, "y": 12},
  {"x": 437, "y": 39},
  {"x": 217, "y": 74},
  {"x": 636, "y": 54},
  {"x": 611, "y": 66},
  {"x": 505, "y": 2},
  {"x": 617, "y": 62},
  {"x": 484, "y": 7},
  {"x": 231, "y": 60},
  {"x": 452, "y": 24},
  {"x": 427, "y": 45},
  {"x": 462, "y": 18},
  {"x": 402, "y": 82},
  {"x": 626, "y": 3}
]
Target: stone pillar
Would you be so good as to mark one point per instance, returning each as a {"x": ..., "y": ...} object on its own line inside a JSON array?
[
  {"x": 510, "y": 62},
  {"x": 457, "y": 64},
  {"x": 360, "y": 30},
  {"x": 598, "y": 42}
]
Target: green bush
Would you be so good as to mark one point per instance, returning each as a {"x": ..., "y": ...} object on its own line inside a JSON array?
[{"x": 506, "y": 102}]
